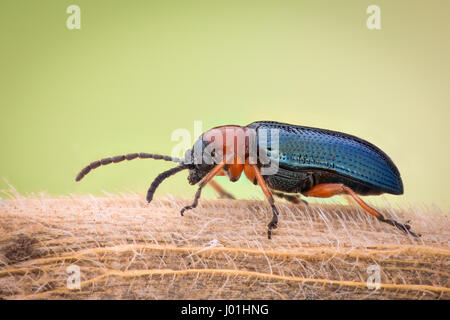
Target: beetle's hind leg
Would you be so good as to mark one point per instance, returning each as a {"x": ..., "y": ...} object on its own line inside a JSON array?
[
  {"x": 292, "y": 198},
  {"x": 327, "y": 190}
]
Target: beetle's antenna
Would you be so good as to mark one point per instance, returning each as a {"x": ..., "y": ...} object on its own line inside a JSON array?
[
  {"x": 161, "y": 177},
  {"x": 130, "y": 156}
]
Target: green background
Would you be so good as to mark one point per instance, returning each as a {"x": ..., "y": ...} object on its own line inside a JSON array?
[{"x": 137, "y": 70}]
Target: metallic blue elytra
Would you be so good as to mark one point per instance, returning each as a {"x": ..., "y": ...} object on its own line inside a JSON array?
[{"x": 345, "y": 157}]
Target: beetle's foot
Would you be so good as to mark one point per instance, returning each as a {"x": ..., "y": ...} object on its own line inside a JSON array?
[
  {"x": 186, "y": 208},
  {"x": 406, "y": 228},
  {"x": 192, "y": 206},
  {"x": 270, "y": 226},
  {"x": 195, "y": 203},
  {"x": 273, "y": 224}
]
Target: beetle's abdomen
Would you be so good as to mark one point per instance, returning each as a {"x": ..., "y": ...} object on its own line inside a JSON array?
[{"x": 304, "y": 148}]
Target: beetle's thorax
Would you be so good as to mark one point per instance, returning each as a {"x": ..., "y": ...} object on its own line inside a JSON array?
[
  {"x": 234, "y": 141},
  {"x": 225, "y": 144}
]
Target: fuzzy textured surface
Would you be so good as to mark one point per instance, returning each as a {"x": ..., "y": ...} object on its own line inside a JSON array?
[{"x": 125, "y": 248}]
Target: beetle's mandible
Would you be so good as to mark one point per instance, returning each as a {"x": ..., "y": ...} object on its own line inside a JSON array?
[{"x": 309, "y": 161}]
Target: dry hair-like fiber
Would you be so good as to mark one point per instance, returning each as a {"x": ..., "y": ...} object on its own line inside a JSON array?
[{"x": 126, "y": 248}]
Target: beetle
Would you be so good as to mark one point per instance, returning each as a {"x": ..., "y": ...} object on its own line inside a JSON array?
[{"x": 309, "y": 161}]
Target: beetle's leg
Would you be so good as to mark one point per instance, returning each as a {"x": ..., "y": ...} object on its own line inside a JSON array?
[
  {"x": 201, "y": 184},
  {"x": 327, "y": 190},
  {"x": 195, "y": 203},
  {"x": 273, "y": 224},
  {"x": 221, "y": 191},
  {"x": 293, "y": 198}
]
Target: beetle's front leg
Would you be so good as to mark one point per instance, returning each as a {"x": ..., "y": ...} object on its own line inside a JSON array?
[{"x": 201, "y": 184}]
